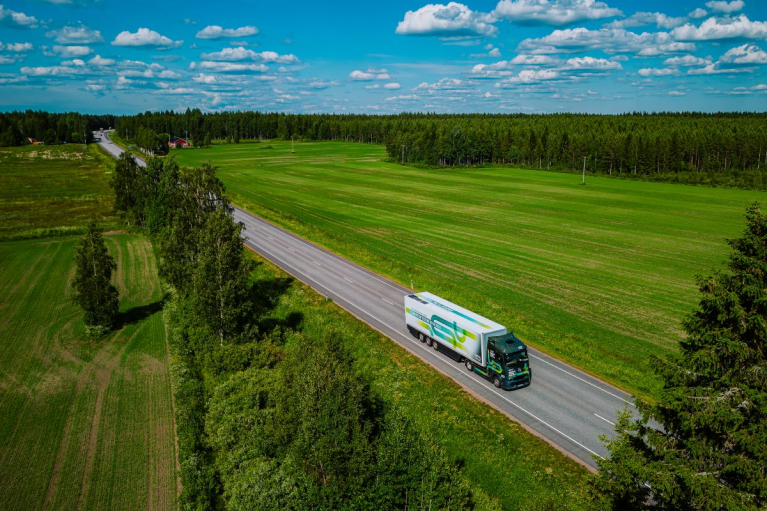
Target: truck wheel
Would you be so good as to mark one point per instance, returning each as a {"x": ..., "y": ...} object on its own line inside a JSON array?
[
  {"x": 469, "y": 365},
  {"x": 497, "y": 382},
  {"x": 420, "y": 336},
  {"x": 435, "y": 345},
  {"x": 428, "y": 341}
]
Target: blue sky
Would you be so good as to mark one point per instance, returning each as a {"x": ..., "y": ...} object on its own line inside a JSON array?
[{"x": 384, "y": 57}]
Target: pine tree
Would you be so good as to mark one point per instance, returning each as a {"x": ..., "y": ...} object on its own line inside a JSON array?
[
  {"x": 711, "y": 452},
  {"x": 94, "y": 291}
]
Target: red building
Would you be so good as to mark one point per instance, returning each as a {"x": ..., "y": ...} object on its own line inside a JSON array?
[{"x": 177, "y": 142}]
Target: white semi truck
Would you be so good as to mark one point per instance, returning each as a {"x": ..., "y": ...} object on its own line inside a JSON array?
[{"x": 484, "y": 346}]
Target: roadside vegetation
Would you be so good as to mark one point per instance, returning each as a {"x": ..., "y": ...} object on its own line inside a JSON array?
[
  {"x": 286, "y": 402},
  {"x": 54, "y": 190},
  {"x": 599, "y": 275}
]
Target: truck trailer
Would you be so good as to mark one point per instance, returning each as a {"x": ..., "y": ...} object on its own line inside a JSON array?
[{"x": 484, "y": 346}]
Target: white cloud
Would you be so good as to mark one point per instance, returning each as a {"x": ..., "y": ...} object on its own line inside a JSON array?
[
  {"x": 686, "y": 61},
  {"x": 100, "y": 61},
  {"x": 95, "y": 87},
  {"x": 16, "y": 47},
  {"x": 203, "y": 78},
  {"x": 534, "y": 60},
  {"x": 530, "y": 76},
  {"x": 715, "y": 69},
  {"x": 72, "y": 51},
  {"x": 240, "y": 53},
  {"x": 369, "y": 75},
  {"x": 496, "y": 70},
  {"x": 553, "y": 12},
  {"x": 640, "y": 19},
  {"x": 405, "y": 97},
  {"x": 373, "y": 86},
  {"x": 392, "y": 86},
  {"x": 6, "y": 60},
  {"x": 677, "y": 93},
  {"x": 444, "y": 84},
  {"x": 722, "y": 28},
  {"x": 76, "y": 35},
  {"x": 50, "y": 71},
  {"x": 615, "y": 40},
  {"x": 591, "y": 63},
  {"x": 145, "y": 37},
  {"x": 12, "y": 79},
  {"x": 451, "y": 20},
  {"x": 217, "y": 32},
  {"x": 73, "y": 63},
  {"x": 747, "y": 54},
  {"x": 323, "y": 84},
  {"x": 726, "y": 7},
  {"x": 659, "y": 72},
  {"x": 493, "y": 53},
  {"x": 231, "y": 67},
  {"x": 14, "y": 19},
  {"x": 698, "y": 13}
]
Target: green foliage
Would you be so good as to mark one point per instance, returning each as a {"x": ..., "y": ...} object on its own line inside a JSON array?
[
  {"x": 129, "y": 185},
  {"x": 710, "y": 452},
  {"x": 94, "y": 291},
  {"x": 221, "y": 279}
]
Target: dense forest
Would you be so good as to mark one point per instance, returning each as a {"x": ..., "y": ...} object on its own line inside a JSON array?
[{"x": 696, "y": 146}]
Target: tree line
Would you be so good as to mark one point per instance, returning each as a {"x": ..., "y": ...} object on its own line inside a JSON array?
[
  {"x": 268, "y": 418},
  {"x": 50, "y": 128}
]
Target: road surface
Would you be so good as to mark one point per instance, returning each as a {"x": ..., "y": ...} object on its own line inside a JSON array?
[{"x": 563, "y": 405}]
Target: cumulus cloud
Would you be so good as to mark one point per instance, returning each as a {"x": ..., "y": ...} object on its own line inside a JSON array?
[
  {"x": 203, "y": 78},
  {"x": 665, "y": 71},
  {"x": 444, "y": 84},
  {"x": 50, "y": 71},
  {"x": 369, "y": 75},
  {"x": 534, "y": 60},
  {"x": 76, "y": 35},
  {"x": 530, "y": 76},
  {"x": 217, "y": 32},
  {"x": 100, "y": 61},
  {"x": 230, "y": 67},
  {"x": 72, "y": 51},
  {"x": 392, "y": 86},
  {"x": 726, "y": 7},
  {"x": 323, "y": 84},
  {"x": 714, "y": 29},
  {"x": 616, "y": 40},
  {"x": 745, "y": 55},
  {"x": 451, "y": 20},
  {"x": 698, "y": 13},
  {"x": 14, "y": 19},
  {"x": 591, "y": 64},
  {"x": 640, "y": 19},
  {"x": 16, "y": 47},
  {"x": 553, "y": 12},
  {"x": 240, "y": 53},
  {"x": 686, "y": 61},
  {"x": 145, "y": 38}
]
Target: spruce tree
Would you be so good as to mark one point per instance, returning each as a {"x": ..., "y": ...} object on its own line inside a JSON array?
[
  {"x": 710, "y": 452},
  {"x": 94, "y": 291}
]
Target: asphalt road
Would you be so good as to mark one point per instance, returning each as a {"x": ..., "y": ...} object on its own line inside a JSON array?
[{"x": 563, "y": 405}]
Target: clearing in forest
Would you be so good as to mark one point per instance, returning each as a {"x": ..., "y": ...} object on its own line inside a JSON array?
[
  {"x": 83, "y": 425},
  {"x": 599, "y": 275}
]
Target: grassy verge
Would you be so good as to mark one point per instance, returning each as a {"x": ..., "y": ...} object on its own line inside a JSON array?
[
  {"x": 54, "y": 190},
  {"x": 507, "y": 467},
  {"x": 83, "y": 425}
]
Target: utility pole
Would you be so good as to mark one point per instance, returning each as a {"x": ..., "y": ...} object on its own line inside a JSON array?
[
  {"x": 292, "y": 145},
  {"x": 584, "y": 171}
]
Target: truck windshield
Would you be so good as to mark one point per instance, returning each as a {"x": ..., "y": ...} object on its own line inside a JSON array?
[{"x": 512, "y": 359}]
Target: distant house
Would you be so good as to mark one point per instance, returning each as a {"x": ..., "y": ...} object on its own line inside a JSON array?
[
  {"x": 177, "y": 142},
  {"x": 33, "y": 141}
]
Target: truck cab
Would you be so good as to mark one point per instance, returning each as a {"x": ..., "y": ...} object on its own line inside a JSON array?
[{"x": 508, "y": 363}]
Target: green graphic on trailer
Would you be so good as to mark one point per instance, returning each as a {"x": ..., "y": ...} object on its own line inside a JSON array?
[{"x": 445, "y": 330}]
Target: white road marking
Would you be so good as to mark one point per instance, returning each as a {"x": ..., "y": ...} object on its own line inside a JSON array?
[
  {"x": 291, "y": 249},
  {"x": 611, "y": 422},
  {"x": 271, "y": 238},
  {"x": 316, "y": 262},
  {"x": 387, "y": 301},
  {"x": 347, "y": 280},
  {"x": 584, "y": 381},
  {"x": 475, "y": 380}
]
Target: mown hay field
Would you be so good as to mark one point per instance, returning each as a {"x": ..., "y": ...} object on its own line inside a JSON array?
[
  {"x": 53, "y": 190},
  {"x": 599, "y": 275},
  {"x": 83, "y": 425}
]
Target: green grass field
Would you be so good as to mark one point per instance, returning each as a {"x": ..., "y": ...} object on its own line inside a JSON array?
[
  {"x": 53, "y": 189},
  {"x": 599, "y": 275},
  {"x": 83, "y": 425},
  {"x": 507, "y": 467}
]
